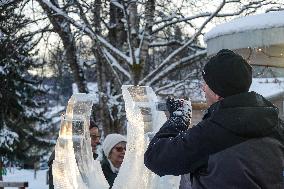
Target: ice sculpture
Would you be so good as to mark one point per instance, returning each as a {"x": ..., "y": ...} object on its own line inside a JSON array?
[
  {"x": 143, "y": 121},
  {"x": 74, "y": 166}
]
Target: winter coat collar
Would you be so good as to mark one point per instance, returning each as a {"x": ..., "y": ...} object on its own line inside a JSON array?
[{"x": 247, "y": 115}]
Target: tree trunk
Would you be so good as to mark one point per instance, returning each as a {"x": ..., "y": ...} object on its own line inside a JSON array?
[
  {"x": 137, "y": 67},
  {"x": 104, "y": 114},
  {"x": 117, "y": 33},
  {"x": 149, "y": 15},
  {"x": 62, "y": 28},
  {"x": 108, "y": 84}
]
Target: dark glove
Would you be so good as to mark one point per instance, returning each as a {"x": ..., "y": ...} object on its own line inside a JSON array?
[{"x": 180, "y": 108}]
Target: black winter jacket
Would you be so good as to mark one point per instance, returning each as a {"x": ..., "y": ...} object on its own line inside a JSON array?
[
  {"x": 238, "y": 144},
  {"x": 109, "y": 175}
]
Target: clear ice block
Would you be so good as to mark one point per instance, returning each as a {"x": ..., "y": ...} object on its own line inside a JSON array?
[{"x": 74, "y": 166}]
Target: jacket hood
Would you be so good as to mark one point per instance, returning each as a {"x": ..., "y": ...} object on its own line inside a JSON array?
[{"x": 247, "y": 115}]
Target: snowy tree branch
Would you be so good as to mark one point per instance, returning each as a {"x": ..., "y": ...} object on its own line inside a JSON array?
[
  {"x": 117, "y": 4},
  {"x": 170, "y": 85},
  {"x": 174, "y": 85},
  {"x": 166, "y": 43},
  {"x": 176, "y": 65},
  {"x": 128, "y": 31},
  {"x": 114, "y": 63},
  {"x": 110, "y": 59},
  {"x": 173, "y": 54},
  {"x": 87, "y": 30},
  {"x": 169, "y": 20}
]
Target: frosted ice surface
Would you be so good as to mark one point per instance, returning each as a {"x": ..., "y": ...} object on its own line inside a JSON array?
[
  {"x": 74, "y": 166},
  {"x": 143, "y": 120}
]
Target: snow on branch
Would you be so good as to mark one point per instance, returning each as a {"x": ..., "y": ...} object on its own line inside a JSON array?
[
  {"x": 138, "y": 50},
  {"x": 174, "y": 53},
  {"x": 177, "y": 21},
  {"x": 114, "y": 63},
  {"x": 165, "y": 43},
  {"x": 113, "y": 71},
  {"x": 113, "y": 49},
  {"x": 181, "y": 63},
  {"x": 7, "y": 138},
  {"x": 170, "y": 20},
  {"x": 117, "y": 4},
  {"x": 87, "y": 30},
  {"x": 128, "y": 30},
  {"x": 171, "y": 85}
]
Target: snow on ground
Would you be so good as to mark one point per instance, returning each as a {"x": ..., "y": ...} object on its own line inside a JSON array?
[
  {"x": 27, "y": 175},
  {"x": 268, "y": 87}
]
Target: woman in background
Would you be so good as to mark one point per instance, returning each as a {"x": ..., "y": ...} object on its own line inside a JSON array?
[{"x": 114, "y": 147}]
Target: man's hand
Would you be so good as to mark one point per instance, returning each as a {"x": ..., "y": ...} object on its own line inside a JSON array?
[{"x": 180, "y": 108}]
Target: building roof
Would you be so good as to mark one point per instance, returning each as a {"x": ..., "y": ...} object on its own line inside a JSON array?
[
  {"x": 249, "y": 32},
  {"x": 254, "y": 22}
]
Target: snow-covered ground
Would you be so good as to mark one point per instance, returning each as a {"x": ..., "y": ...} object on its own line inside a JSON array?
[{"x": 27, "y": 175}]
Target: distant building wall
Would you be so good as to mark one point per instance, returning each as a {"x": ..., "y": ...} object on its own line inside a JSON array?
[
  {"x": 198, "y": 110},
  {"x": 196, "y": 116}
]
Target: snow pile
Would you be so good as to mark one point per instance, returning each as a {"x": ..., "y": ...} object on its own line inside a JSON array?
[
  {"x": 24, "y": 175},
  {"x": 268, "y": 87}
]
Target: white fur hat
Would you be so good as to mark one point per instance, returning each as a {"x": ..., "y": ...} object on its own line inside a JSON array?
[{"x": 110, "y": 141}]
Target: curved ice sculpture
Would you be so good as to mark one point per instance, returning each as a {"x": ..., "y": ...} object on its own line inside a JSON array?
[
  {"x": 143, "y": 121},
  {"x": 74, "y": 166}
]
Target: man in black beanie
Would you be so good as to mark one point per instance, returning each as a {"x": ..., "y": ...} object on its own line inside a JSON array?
[
  {"x": 226, "y": 74},
  {"x": 238, "y": 144}
]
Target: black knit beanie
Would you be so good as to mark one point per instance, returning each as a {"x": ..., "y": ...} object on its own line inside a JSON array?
[{"x": 227, "y": 73}]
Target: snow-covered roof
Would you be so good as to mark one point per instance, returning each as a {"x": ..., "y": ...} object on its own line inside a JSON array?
[
  {"x": 260, "y": 30},
  {"x": 254, "y": 22},
  {"x": 268, "y": 87}
]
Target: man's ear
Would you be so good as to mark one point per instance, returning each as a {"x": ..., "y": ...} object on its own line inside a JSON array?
[{"x": 219, "y": 97}]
